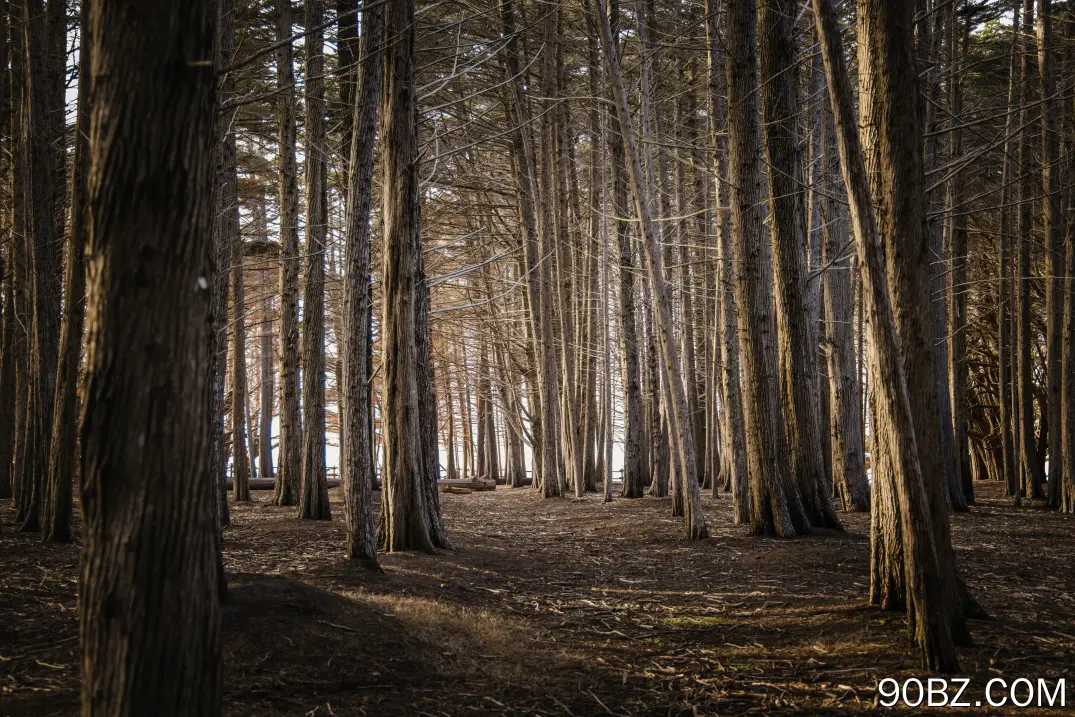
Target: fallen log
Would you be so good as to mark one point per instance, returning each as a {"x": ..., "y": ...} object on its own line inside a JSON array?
[
  {"x": 270, "y": 483},
  {"x": 456, "y": 491},
  {"x": 471, "y": 485}
]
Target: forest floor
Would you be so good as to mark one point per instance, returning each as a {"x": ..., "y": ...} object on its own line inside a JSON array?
[{"x": 564, "y": 607}]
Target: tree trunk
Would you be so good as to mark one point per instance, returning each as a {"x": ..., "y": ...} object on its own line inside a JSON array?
[
  {"x": 780, "y": 107},
  {"x": 693, "y": 519},
  {"x": 775, "y": 505},
  {"x": 405, "y": 521},
  {"x": 1053, "y": 229},
  {"x": 358, "y": 486},
  {"x": 150, "y": 205},
  {"x": 313, "y": 493},
  {"x": 63, "y": 458},
  {"x": 290, "y": 454},
  {"x": 929, "y": 594}
]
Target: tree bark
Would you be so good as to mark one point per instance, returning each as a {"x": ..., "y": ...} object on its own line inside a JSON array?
[
  {"x": 146, "y": 391},
  {"x": 693, "y": 518},
  {"x": 290, "y": 454},
  {"x": 929, "y": 597},
  {"x": 63, "y": 458},
  {"x": 780, "y": 107},
  {"x": 313, "y": 494}
]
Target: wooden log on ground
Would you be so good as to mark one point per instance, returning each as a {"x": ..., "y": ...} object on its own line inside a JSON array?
[
  {"x": 468, "y": 484},
  {"x": 270, "y": 483}
]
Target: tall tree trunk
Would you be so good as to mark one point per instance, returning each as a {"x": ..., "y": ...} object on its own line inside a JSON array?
[
  {"x": 780, "y": 107},
  {"x": 405, "y": 523},
  {"x": 958, "y": 247},
  {"x": 775, "y": 504},
  {"x": 267, "y": 376},
  {"x": 313, "y": 494},
  {"x": 734, "y": 472},
  {"x": 1008, "y": 391},
  {"x": 683, "y": 436},
  {"x": 148, "y": 494},
  {"x": 240, "y": 459},
  {"x": 849, "y": 468},
  {"x": 1030, "y": 469},
  {"x": 358, "y": 488},
  {"x": 929, "y": 603},
  {"x": 43, "y": 243},
  {"x": 1053, "y": 229},
  {"x": 7, "y": 285},
  {"x": 63, "y": 458},
  {"x": 290, "y": 454}
]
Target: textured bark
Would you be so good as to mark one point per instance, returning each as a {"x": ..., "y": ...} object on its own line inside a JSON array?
[
  {"x": 290, "y": 454},
  {"x": 267, "y": 376},
  {"x": 18, "y": 348},
  {"x": 693, "y": 518},
  {"x": 848, "y": 461},
  {"x": 1008, "y": 391},
  {"x": 404, "y": 518},
  {"x": 957, "y": 291},
  {"x": 634, "y": 467},
  {"x": 313, "y": 493},
  {"x": 146, "y": 392},
  {"x": 240, "y": 458},
  {"x": 775, "y": 504},
  {"x": 780, "y": 107},
  {"x": 1030, "y": 469},
  {"x": 43, "y": 244},
  {"x": 929, "y": 581},
  {"x": 358, "y": 488},
  {"x": 734, "y": 473},
  {"x": 1067, "y": 492},
  {"x": 64, "y": 449},
  {"x": 7, "y": 286},
  {"x": 1053, "y": 229}
]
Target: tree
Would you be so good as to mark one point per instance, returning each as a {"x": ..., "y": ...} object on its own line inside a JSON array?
[
  {"x": 146, "y": 393},
  {"x": 929, "y": 603},
  {"x": 358, "y": 486},
  {"x": 313, "y": 495},
  {"x": 290, "y": 456},
  {"x": 780, "y": 107},
  {"x": 64, "y": 449},
  {"x": 683, "y": 437},
  {"x": 405, "y": 516},
  {"x": 43, "y": 249},
  {"x": 775, "y": 504}
]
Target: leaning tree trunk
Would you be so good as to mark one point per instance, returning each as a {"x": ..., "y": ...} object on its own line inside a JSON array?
[
  {"x": 148, "y": 492},
  {"x": 64, "y": 450},
  {"x": 313, "y": 493},
  {"x": 848, "y": 461},
  {"x": 780, "y": 107},
  {"x": 404, "y": 518},
  {"x": 682, "y": 434},
  {"x": 289, "y": 460},
  {"x": 928, "y": 581},
  {"x": 358, "y": 488}
]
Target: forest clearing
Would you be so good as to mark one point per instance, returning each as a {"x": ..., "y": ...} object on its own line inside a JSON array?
[
  {"x": 536, "y": 357},
  {"x": 567, "y": 608}
]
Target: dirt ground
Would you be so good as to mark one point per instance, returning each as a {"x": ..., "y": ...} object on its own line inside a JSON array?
[{"x": 564, "y": 607}]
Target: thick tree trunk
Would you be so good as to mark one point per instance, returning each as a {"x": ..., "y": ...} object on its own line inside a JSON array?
[
  {"x": 290, "y": 454},
  {"x": 780, "y": 107},
  {"x": 150, "y": 206},
  {"x": 775, "y": 504},
  {"x": 313, "y": 493},
  {"x": 405, "y": 523},
  {"x": 930, "y": 596},
  {"x": 358, "y": 486}
]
